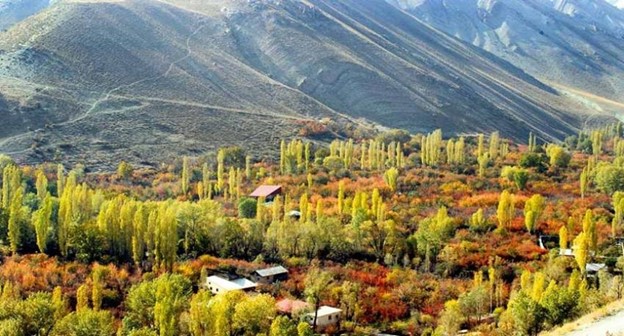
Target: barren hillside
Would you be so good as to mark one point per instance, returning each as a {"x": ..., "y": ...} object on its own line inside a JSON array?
[
  {"x": 143, "y": 80},
  {"x": 577, "y": 43}
]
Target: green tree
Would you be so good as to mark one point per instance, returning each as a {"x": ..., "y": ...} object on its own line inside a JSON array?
[
  {"x": 253, "y": 315},
  {"x": 282, "y": 326},
  {"x": 304, "y": 329},
  {"x": 157, "y": 304},
  {"x": 200, "y": 314},
  {"x": 41, "y": 185},
  {"x": 528, "y": 314},
  {"x": 124, "y": 170},
  {"x": 558, "y": 157},
  {"x": 451, "y": 319},
  {"x": 42, "y": 223},
  {"x": 15, "y": 220},
  {"x": 224, "y": 308},
  {"x": 518, "y": 176},
  {"x": 247, "y": 208},
  {"x": 186, "y": 175},
  {"x": 85, "y": 322},
  {"x": 584, "y": 182},
  {"x": 610, "y": 178},
  {"x": 316, "y": 285},
  {"x": 560, "y": 303},
  {"x": 97, "y": 286}
]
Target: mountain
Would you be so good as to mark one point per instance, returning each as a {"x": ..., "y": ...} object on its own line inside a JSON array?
[
  {"x": 568, "y": 43},
  {"x": 145, "y": 80},
  {"x": 14, "y": 11}
]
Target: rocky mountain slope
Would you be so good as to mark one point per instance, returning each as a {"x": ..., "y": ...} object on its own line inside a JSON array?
[
  {"x": 14, "y": 11},
  {"x": 574, "y": 43},
  {"x": 144, "y": 80}
]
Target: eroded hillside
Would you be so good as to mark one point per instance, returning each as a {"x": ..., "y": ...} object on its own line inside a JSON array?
[{"x": 99, "y": 81}]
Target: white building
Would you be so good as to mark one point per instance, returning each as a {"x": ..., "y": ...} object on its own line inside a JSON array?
[
  {"x": 326, "y": 316},
  {"x": 218, "y": 284}
]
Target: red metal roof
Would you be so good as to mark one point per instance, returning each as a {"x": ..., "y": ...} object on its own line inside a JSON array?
[
  {"x": 266, "y": 190},
  {"x": 289, "y": 306}
]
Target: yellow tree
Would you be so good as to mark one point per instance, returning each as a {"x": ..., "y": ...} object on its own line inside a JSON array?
[
  {"x": 581, "y": 251},
  {"x": 533, "y": 209},
  {"x": 506, "y": 209},
  {"x": 563, "y": 238},
  {"x": 391, "y": 177}
]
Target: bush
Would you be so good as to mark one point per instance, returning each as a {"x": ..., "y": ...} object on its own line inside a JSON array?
[{"x": 247, "y": 208}]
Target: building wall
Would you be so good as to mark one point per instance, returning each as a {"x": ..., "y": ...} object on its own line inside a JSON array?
[{"x": 323, "y": 321}]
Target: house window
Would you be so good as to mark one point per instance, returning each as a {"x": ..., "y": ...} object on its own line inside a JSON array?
[{"x": 329, "y": 318}]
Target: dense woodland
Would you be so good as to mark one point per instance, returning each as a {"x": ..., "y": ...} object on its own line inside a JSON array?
[{"x": 407, "y": 234}]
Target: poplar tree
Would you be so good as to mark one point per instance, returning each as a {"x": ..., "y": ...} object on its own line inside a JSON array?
[
  {"x": 341, "y": 196},
  {"x": 60, "y": 180},
  {"x": 363, "y": 150},
  {"x": 139, "y": 223},
  {"x": 483, "y": 161},
  {"x": 41, "y": 185},
  {"x": 596, "y": 140},
  {"x": 532, "y": 142},
  {"x": 506, "y": 209},
  {"x": 581, "y": 251},
  {"x": 303, "y": 208},
  {"x": 41, "y": 221},
  {"x": 82, "y": 297},
  {"x": 494, "y": 145},
  {"x": 391, "y": 177},
  {"x": 584, "y": 182},
  {"x": 220, "y": 170},
  {"x": 563, "y": 238},
  {"x": 15, "y": 218},
  {"x": 480, "y": 145},
  {"x": 97, "y": 286},
  {"x": 186, "y": 176},
  {"x": 533, "y": 209}
]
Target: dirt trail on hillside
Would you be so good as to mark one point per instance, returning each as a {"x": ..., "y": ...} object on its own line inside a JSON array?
[{"x": 610, "y": 325}]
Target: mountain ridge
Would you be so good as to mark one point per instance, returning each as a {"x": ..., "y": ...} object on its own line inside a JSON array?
[
  {"x": 280, "y": 62},
  {"x": 576, "y": 43}
]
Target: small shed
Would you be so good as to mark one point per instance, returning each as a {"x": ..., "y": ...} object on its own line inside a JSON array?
[
  {"x": 267, "y": 191},
  {"x": 326, "y": 316},
  {"x": 217, "y": 284},
  {"x": 270, "y": 275}
]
